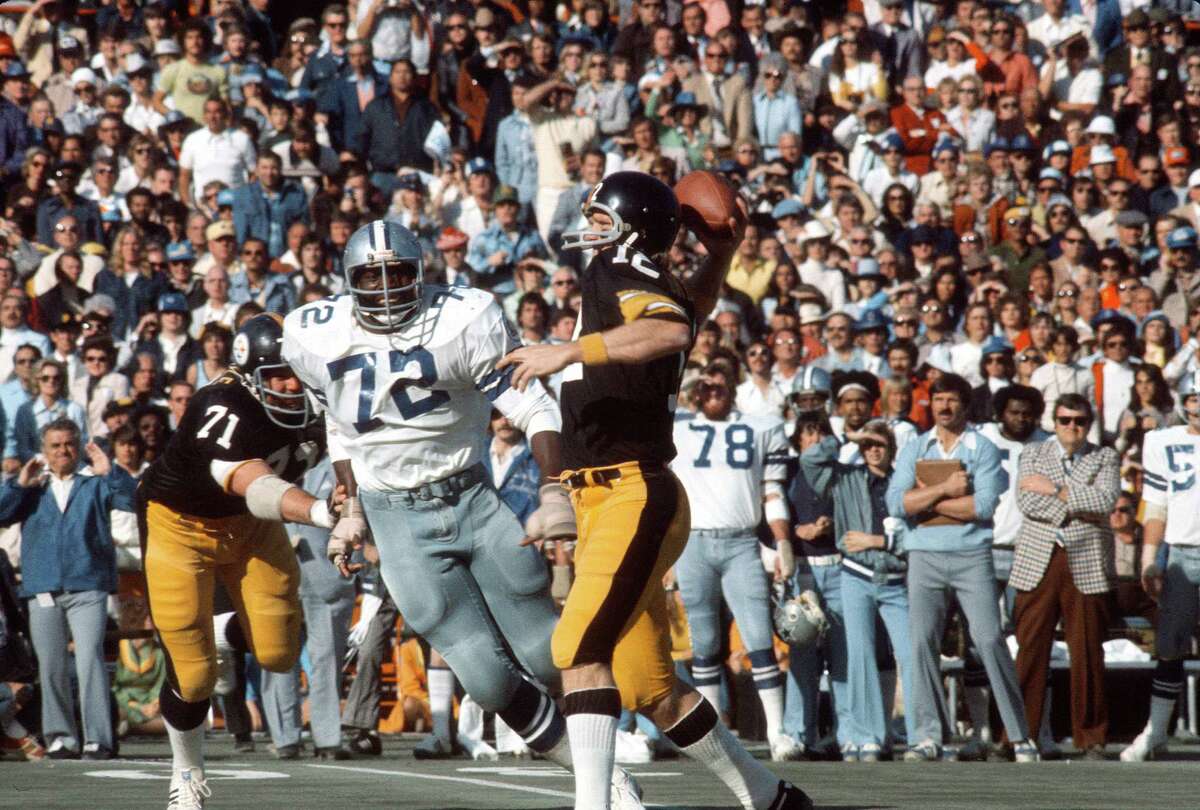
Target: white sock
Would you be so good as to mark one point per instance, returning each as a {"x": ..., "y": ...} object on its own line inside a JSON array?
[
  {"x": 507, "y": 740},
  {"x": 220, "y": 623},
  {"x": 712, "y": 693},
  {"x": 592, "y": 715},
  {"x": 470, "y": 722},
  {"x": 702, "y": 737},
  {"x": 772, "y": 703},
  {"x": 1160, "y": 716},
  {"x": 978, "y": 698},
  {"x": 441, "y": 696},
  {"x": 187, "y": 747},
  {"x": 13, "y": 728},
  {"x": 1046, "y": 733}
]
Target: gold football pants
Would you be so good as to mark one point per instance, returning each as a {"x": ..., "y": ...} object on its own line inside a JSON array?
[
  {"x": 184, "y": 555},
  {"x": 632, "y": 529}
]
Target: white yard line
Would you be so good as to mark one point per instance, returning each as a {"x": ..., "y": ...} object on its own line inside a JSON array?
[{"x": 462, "y": 780}]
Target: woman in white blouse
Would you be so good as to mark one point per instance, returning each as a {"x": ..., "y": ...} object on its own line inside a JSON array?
[
  {"x": 974, "y": 123},
  {"x": 856, "y": 74},
  {"x": 957, "y": 64}
]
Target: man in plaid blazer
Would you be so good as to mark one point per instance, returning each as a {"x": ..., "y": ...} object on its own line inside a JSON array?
[{"x": 1064, "y": 567}]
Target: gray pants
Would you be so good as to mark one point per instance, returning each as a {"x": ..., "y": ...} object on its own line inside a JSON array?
[
  {"x": 328, "y": 602},
  {"x": 970, "y": 577},
  {"x": 361, "y": 711},
  {"x": 77, "y": 617},
  {"x": 458, "y": 574}
]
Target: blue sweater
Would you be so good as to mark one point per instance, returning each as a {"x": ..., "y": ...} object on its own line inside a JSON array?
[
  {"x": 981, "y": 459},
  {"x": 71, "y": 550},
  {"x": 519, "y": 489}
]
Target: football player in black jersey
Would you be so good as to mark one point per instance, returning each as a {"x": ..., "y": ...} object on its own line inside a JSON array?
[
  {"x": 620, "y": 378},
  {"x": 212, "y": 507}
]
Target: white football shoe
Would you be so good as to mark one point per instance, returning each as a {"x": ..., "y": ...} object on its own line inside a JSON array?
[
  {"x": 1144, "y": 748},
  {"x": 188, "y": 790},
  {"x": 626, "y": 793},
  {"x": 785, "y": 749}
]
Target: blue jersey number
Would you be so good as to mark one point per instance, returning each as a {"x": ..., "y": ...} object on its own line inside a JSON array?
[
  {"x": 317, "y": 315},
  {"x": 409, "y": 408},
  {"x": 1180, "y": 465},
  {"x": 739, "y": 446}
]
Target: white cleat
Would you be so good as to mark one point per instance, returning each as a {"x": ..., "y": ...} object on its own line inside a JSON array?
[
  {"x": 188, "y": 790},
  {"x": 785, "y": 749},
  {"x": 632, "y": 749},
  {"x": 626, "y": 793},
  {"x": 1143, "y": 748},
  {"x": 478, "y": 750}
]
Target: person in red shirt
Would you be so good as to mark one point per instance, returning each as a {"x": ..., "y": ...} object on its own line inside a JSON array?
[
  {"x": 918, "y": 128},
  {"x": 1008, "y": 70}
]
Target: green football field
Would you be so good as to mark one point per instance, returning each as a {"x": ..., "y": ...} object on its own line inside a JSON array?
[{"x": 396, "y": 780}]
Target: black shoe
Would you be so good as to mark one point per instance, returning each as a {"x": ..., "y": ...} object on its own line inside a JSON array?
[
  {"x": 97, "y": 752},
  {"x": 790, "y": 797},
  {"x": 61, "y": 753},
  {"x": 244, "y": 745},
  {"x": 336, "y": 752},
  {"x": 287, "y": 752},
  {"x": 367, "y": 743},
  {"x": 1095, "y": 753}
]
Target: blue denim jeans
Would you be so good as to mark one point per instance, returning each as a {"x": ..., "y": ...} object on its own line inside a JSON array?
[
  {"x": 1180, "y": 600},
  {"x": 712, "y": 567},
  {"x": 458, "y": 574},
  {"x": 801, "y": 715},
  {"x": 862, "y": 599}
]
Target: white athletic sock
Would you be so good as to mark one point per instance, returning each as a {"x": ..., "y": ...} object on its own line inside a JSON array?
[
  {"x": 441, "y": 696},
  {"x": 592, "y": 716},
  {"x": 702, "y": 737},
  {"x": 772, "y": 703},
  {"x": 470, "y": 722},
  {"x": 711, "y": 692},
  {"x": 220, "y": 623},
  {"x": 1160, "y": 716},
  {"x": 187, "y": 747},
  {"x": 978, "y": 698}
]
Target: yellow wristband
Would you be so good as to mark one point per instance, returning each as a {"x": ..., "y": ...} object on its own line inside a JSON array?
[{"x": 595, "y": 353}]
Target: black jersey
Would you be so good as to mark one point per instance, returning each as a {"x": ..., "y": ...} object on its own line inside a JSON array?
[
  {"x": 224, "y": 421},
  {"x": 621, "y": 412}
]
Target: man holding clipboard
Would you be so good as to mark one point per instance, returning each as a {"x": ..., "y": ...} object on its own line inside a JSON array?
[{"x": 945, "y": 487}]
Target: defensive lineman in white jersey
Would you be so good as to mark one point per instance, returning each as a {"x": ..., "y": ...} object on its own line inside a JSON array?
[
  {"x": 732, "y": 466},
  {"x": 1171, "y": 513},
  {"x": 406, "y": 376}
]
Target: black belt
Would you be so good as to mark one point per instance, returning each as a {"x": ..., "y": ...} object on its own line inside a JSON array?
[{"x": 606, "y": 475}]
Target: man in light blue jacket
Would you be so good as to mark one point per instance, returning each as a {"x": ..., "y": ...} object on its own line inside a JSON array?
[{"x": 948, "y": 535}]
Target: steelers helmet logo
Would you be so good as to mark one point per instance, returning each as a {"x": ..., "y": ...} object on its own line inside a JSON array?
[{"x": 241, "y": 349}]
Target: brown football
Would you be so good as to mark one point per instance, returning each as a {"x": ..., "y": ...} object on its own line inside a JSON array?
[{"x": 707, "y": 201}]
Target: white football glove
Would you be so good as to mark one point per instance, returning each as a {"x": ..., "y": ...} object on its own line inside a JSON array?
[
  {"x": 366, "y": 612},
  {"x": 350, "y": 531},
  {"x": 554, "y": 519}
]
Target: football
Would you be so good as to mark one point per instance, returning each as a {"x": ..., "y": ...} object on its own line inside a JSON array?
[{"x": 707, "y": 201}]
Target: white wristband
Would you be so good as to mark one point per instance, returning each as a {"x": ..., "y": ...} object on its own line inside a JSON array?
[{"x": 318, "y": 514}]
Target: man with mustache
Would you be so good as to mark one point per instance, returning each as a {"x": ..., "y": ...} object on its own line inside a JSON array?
[{"x": 949, "y": 527}]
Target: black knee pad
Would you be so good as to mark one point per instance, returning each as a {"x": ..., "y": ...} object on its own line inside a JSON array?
[{"x": 181, "y": 714}]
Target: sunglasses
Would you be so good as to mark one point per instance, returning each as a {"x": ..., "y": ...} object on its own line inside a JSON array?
[
  {"x": 253, "y": 253},
  {"x": 1116, "y": 344},
  {"x": 714, "y": 56},
  {"x": 1014, "y": 221},
  {"x": 1127, "y": 286},
  {"x": 905, "y": 322},
  {"x": 1077, "y": 421},
  {"x": 1077, "y": 241},
  {"x": 756, "y": 353},
  {"x": 1031, "y": 358},
  {"x": 994, "y": 358},
  {"x": 793, "y": 341},
  {"x": 1066, "y": 293},
  {"x": 564, "y": 282},
  {"x": 95, "y": 358},
  {"x": 1049, "y": 188},
  {"x": 928, "y": 308},
  {"x": 49, "y": 378},
  {"x": 456, "y": 27},
  {"x": 67, "y": 228},
  {"x": 969, "y": 239}
]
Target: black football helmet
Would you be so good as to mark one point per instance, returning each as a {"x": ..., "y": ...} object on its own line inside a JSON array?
[
  {"x": 257, "y": 352},
  {"x": 644, "y": 212}
]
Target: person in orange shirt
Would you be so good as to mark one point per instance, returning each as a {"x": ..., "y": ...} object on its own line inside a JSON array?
[{"x": 1102, "y": 130}]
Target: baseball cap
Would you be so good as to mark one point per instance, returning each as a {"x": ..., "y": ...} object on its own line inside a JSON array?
[
  {"x": 166, "y": 47},
  {"x": 945, "y": 146},
  {"x": 1056, "y": 148},
  {"x": 999, "y": 144},
  {"x": 1101, "y": 125},
  {"x": 1022, "y": 143},
  {"x": 1101, "y": 153},
  {"x": 251, "y": 74},
  {"x": 923, "y": 235},
  {"x": 505, "y": 194},
  {"x": 1132, "y": 219},
  {"x": 1050, "y": 173},
  {"x": 787, "y": 208},
  {"x": 871, "y": 319},
  {"x": 814, "y": 229},
  {"x": 892, "y": 141},
  {"x": 810, "y": 313},
  {"x": 476, "y": 165},
  {"x": 996, "y": 345},
  {"x": 136, "y": 63},
  {"x": 219, "y": 230},
  {"x": 451, "y": 238},
  {"x": 83, "y": 75},
  {"x": 172, "y": 302},
  {"x": 16, "y": 70},
  {"x": 66, "y": 42},
  {"x": 411, "y": 182},
  {"x": 1176, "y": 156},
  {"x": 1182, "y": 237},
  {"x": 225, "y": 197},
  {"x": 180, "y": 252},
  {"x": 867, "y": 268}
]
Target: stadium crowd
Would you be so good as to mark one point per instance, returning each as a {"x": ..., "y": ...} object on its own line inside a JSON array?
[{"x": 995, "y": 202}]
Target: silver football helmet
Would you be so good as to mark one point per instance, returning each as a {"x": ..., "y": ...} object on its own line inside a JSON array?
[
  {"x": 382, "y": 245},
  {"x": 799, "y": 621},
  {"x": 811, "y": 383},
  {"x": 1189, "y": 388}
]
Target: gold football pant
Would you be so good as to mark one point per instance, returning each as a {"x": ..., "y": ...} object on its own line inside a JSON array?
[
  {"x": 632, "y": 529},
  {"x": 183, "y": 555}
]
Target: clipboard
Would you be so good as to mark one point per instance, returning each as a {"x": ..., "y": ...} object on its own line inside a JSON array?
[{"x": 935, "y": 471}]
